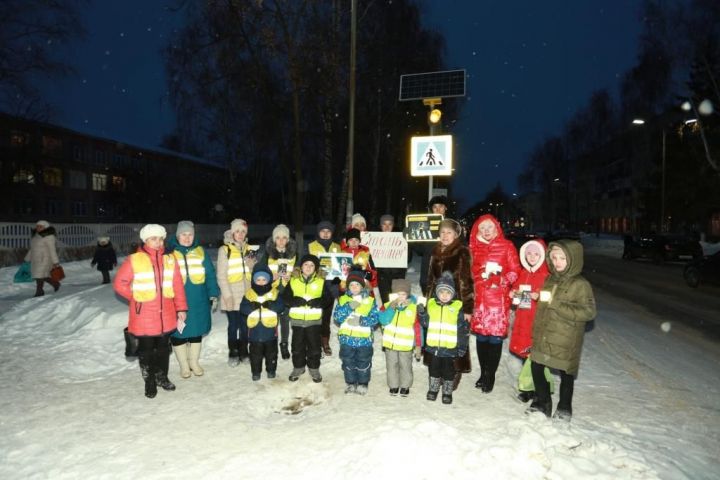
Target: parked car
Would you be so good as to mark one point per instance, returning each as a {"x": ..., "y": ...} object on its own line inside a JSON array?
[
  {"x": 662, "y": 247},
  {"x": 703, "y": 270}
]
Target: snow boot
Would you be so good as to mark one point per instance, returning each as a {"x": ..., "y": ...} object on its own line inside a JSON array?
[
  {"x": 194, "y": 357},
  {"x": 362, "y": 389},
  {"x": 284, "y": 352},
  {"x": 350, "y": 388},
  {"x": 434, "y": 389},
  {"x": 543, "y": 400},
  {"x": 39, "y": 292},
  {"x": 243, "y": 349},
  {"x": 525, "y": 396},
  {"x": 492, "y": 361},
  {"x": 272, "y": 374},
  {"x": 233, "y": 353},
  {"x": 564, "y": 406},
  {"x": 394, "y": 392},
  {"x": 404, "y": 392},
  {"x": 325, "y": 342},
  {"x": 315, "y": 375},
  {"x": 447, "y": 388},
  {"x": 147, "y": 372},
  {"x": 182, "y": 358},
  {"x": 161, "y": 372},
  {"x": 296, "y": 373},
  {"x": 482, "y": 360}
]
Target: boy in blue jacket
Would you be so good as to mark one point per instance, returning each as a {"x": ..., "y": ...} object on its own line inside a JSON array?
[
  {"x": 260, "y": 308},
  {"x": 356, "y": 314}
]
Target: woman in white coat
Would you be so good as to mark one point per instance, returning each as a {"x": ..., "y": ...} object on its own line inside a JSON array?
[{"x": 43, "y": 256}]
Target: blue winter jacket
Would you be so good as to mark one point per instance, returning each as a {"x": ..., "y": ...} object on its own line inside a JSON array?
[
  {"x": 371, "y": 320},
  {"x": 261, "y": 333}
]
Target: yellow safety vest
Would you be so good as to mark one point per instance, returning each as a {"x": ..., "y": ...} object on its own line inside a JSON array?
[
  {"x": 315, "y": 248},
  {"x": 263, "y": 314},
  {"x": 192, "y": 263},
  {"x": 399, "y": 334},
  {"x": 443, "y": 328},
  {"x": 308, "y": 291},
  {"x": 237, "y": 269},
  {"x": 143, "y": 285},
  {"x": 274, "y": 266},
  {"x": 363, "y": 310}
]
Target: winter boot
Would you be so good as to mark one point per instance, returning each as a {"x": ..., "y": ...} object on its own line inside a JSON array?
[
  {"x": 233, "y": 353},
  {"x": 350, "y": 388},
  {"x": 404, "y": 392},
  {"x": 543, "y": 400},
  {"x": 362, "y": 389},
  {"x": 432, "y": 393},
  {"x": 447, "y": 388},
  {"x": 243, "y": 349},
  {"x": 284, "y": 352},
  {"x": 55, "y": 284},
  {"x": 194, "y": 357},
  {"x": 325, "y": 342},
  {"x": 39, "y": 292},
  {"x": 492, "y": 361},
  {"x": 181, "y": 353},
  {"x": 296, "y": 373},
  {"x": 148, "y": 374},
  {"x": 131, "y": 345},
  {"x": 482, "y": 360},
  {"x": 394, "y": 392},
  {"x": 564, "y": 406},
  {"x": 525, "y": 396},
  {"x": 161, "y": 372},
  {"x": 315, "y": 375}
]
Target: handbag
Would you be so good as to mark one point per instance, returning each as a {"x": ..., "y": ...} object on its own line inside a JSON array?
[
  {"x": 23, "y": 274},
  {"x": 131, "y": 345},
  {"x": 57, "y": 273}
]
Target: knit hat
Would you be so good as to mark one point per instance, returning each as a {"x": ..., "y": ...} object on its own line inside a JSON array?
[
  {"x": 357, "y": 276},
  {"x": 103, "y": 240},
  {"x": 452, "y": 225},
  {"x": 387, "y": 218},
  {"x": 357, "y": 219},
  {"x": 445, "y": 282},
  {"x": 152, "y": 230},
  {"x": 310, "y": 258},
  {"x": 325, "y": 225},
  {"x": 352, "y": 233},
  {"x": 238, "y": 225},
  {"x": 280, "y": 231},
  {"x": 261, "y": 270},
  {"x": 441, "y": 199},
  {"x": 184, "y": 226},
  {"x": 400, "y": 285},
  {"x": 43, "y": 223}
]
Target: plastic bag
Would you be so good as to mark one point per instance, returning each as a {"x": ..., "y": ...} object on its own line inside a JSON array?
[
  {"x": 23, "y": 273},
  {"x": 525, "y": 380}
]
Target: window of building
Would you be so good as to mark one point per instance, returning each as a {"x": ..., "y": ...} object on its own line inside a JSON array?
[
  {"x": 23, "y": 206},
  {"x": 78, "y": 179},
  {"x": 52, "y": 176},
  {"x": 19, "y": 139},
  {"x": 77, "y": 153},
  {"x": 79, "y": 208},
  {"x": 53, "y": 206},
  {"x": 99, "y": 182},
  {"x": 100, "y": 158},
  {"x": 118, "y": 183},
  {"x": 51, "y": 145},
  {"x": 24, "y": 176},
  {"x": 103, "y": 209}
]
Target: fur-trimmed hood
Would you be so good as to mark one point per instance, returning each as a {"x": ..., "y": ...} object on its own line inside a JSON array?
[{"x": 272, "y": 251}]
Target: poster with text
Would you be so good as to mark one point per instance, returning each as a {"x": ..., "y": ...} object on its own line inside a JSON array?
[
  {"x": 388, "y": 249},
  {"x": 335, "y": 265}
]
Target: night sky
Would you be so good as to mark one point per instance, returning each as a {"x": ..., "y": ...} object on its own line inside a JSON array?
[{"x": 531, "y": 65}]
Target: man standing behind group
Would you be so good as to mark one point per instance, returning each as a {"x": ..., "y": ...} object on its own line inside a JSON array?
[
  {"x": 387, "y": 275},
  {"x": 437, "y": 205},
  {"x": 324, "y": 244}
]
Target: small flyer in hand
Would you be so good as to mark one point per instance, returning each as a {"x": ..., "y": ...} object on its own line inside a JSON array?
[
  {"x": 252, "y": 251},
  {"x": 422, "y": 227},
  {"x": 335, "y": 265}
]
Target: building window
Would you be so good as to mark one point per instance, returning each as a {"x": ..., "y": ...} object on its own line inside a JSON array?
[
  {"x": 77, "y": 153},
  {"x": 53, "y": 206},
  {"x": 78, "y": 179},
  {"x": 19, "y": 139},
  {"x": 51, "y": 145},
  {"x": 99, "y": 182},
  {"x": 118, "y": 183},
  {"x": 103, "y": 209},
  {"x": 79, "y": 208},
  {"x": 23, "y": 206},
  {"x": 24, "y": 176},
  {"x": 100, "y": 158},
  {"x": 52, "y": 176}
]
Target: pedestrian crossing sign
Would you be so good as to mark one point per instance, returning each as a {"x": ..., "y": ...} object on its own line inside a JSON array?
[{"x": 431, "y": 156}]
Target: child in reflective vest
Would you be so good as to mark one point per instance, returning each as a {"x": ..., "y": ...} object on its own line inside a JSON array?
[
  {"x": 401, "y": 334},
  {"x": 307, "y": 294},
  {"x": 356, "y": 314},
  {"x": 259, "y": 309},
  {"x": 446, "y": 338}
]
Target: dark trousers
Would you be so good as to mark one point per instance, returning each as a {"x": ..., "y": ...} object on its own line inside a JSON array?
[
  {"x": 542, "y": 388},
  {"x": 356, "y": 363},
  {"x": 154, "y": 354},
  {"x": 237, "y": 330},
  {"x": 263, "y": 350},
  {"x": 325, "y": 325},
  {"x": 442, "y": 367},
  {"x": 105, "y": 275},
  {"x": 284, "y": 326},
  {"x": 306, "y": 346}
]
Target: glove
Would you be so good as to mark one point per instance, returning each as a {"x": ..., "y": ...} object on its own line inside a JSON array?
[
  {"x": 418, "y": 353},
  {"x": 255, "y": 305},
  {"x": 394, "y": 304},
  {"x": 354, "y": 304},
  {"x": 213, "y": 304},
  {"x": 353, "y": 320},
  {"x": 315, "y": 303}
]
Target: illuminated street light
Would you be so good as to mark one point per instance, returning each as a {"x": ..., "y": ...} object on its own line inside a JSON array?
[
  {"x": 434, "y": 116},
  {"x": 638, "y": 121}
]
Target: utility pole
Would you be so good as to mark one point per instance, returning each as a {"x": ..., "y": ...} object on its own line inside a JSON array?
[{"x": 351, "y": 121}]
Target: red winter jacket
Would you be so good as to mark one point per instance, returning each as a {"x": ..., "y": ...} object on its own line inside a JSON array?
[
  {"x": 369, "y": 266},
  {"x": 157, "y": 316},
  {"x": 492, "y": 300},
  {"x": 521, "y": 337}
]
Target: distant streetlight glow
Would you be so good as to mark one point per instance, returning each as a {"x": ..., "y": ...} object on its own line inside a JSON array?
[
  {"x": 435, "y": 115},
  {"x": 638, "y": 121},
  {"x": 690, "y": 121}
]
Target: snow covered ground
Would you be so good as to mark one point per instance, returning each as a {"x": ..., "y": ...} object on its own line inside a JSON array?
[{"x": 646, "y": 406}]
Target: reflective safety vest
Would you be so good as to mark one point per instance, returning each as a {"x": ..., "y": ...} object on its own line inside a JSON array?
[
  {"x": 399, "y": 334},
  {"x": 143, "y": 285},
  {"x": 315, "y": 248},
  {"x": 268, "y": 317},
  {"x": 192, "y": 263},
  {"x": 308, "y": 291},
  {"x": 274, "y": 265},
  {"x": 237, "y": 269},
  {"x": 443, "y": 328},
  {"x": 363, "y": 310}
]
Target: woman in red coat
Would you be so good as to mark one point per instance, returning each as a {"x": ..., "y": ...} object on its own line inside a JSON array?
[
  {"x": 495, "y": 268},
  {"x": 150, "y": 280}
]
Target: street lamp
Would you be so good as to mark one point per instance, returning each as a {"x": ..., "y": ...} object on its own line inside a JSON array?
[{"x": 640, "y": 121}]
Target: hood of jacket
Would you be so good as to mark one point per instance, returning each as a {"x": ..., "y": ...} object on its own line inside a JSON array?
[
  {"x": 272, "y": 251},
  {"x": 574, "y": 254},
  {"x": 174, "y": 244},
  {"x": 476, "y": 226},
  {"x": 540, "y": 265},
  {"x": 45, "y": 232}
]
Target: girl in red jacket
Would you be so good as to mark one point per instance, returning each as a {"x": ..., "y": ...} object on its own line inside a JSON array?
[
  {"x": 524, "y": 296},
  {"x": 495, "y": 268},
  {"x": 150, "y": 280}
]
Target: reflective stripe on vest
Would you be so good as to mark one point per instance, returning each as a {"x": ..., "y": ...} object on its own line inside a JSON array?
[
  {"x": 399, "y": 334},
  {"x": 363, "y": 310},
  {"x": 315, "y": 248},
  {"x": 443, "y": 328},
  {"x": 192, "y": 262},
  {"x": 268, "y": 317},
  {"x": 144, "y": 286},
  {"x": 237, "y": 269},
  {"x": 308, "y": 291}
]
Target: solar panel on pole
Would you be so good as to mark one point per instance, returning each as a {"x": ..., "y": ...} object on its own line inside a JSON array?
[{"x": 418, "y": 86}]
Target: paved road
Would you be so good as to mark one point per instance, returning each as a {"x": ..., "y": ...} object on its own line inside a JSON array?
[{"x": 659, "y": 288}]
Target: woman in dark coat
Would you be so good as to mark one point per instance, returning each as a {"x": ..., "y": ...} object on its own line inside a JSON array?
[
  {"x": 104, "y": 258},
  {"x": 451, "y": 254}
]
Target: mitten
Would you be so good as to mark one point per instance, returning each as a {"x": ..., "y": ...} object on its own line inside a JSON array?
[
  {"x": 418, "y": 353},
  {"x": 353, "y": 320},
  {"x": 394, "y": 304},
  {"x": 255, "y": 305},
  {"x": 354, "y": 304},
  {"x": 213, "y": 304},
  {"x": 315, "y": 303}
]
